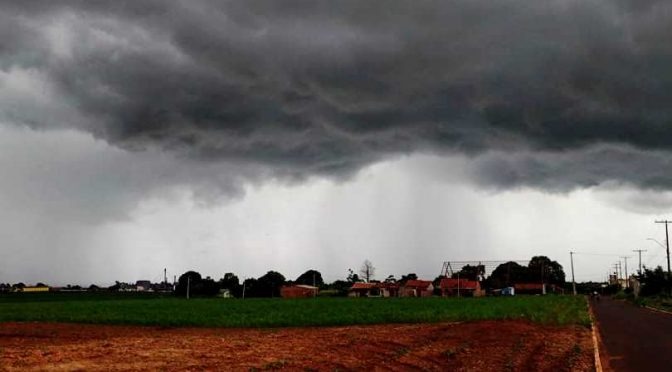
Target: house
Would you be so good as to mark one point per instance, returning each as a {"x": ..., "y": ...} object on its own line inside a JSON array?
[
  {"x": 417, "y": 288},
  {"x": 389, "y": 289},
  {"x": 360, "y": 289},
  {"x": 298, "y": 291},
  {"x": 461, "y": 287}
]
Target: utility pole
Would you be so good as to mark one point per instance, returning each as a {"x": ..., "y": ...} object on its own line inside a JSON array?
[
  {"x": 640, "y": 258},
  {"x": 188, "y": 285},
  {"x": 627, "y": 281},
  {"x": 667, "y": 243},
  {"x": 571, "y": 259},
  {"x": 165, "y": 277}
]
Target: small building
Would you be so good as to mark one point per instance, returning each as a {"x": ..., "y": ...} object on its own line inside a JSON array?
[
  {"x": 417, "y": 288},
  {"x": 461, "y": 287},
  {"x": 389, "y": 289},
  {"x": 508, "y": 291},
  {"x": 361, "y": 289},
  {"x": 298, "y": 291}
]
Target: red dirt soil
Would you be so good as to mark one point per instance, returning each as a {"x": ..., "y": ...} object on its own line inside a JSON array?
[{"x": 474, "y": 346}]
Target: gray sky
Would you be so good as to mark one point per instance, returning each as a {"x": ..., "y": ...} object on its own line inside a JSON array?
[{"x": 257, "y": 135}]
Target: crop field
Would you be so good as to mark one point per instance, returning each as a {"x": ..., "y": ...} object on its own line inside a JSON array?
[
  {"x": 216, "y": 312},
  {"x": 39, "y": 331}
]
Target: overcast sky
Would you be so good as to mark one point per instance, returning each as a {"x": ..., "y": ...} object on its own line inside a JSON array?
[{"x": 258, "y": 135}]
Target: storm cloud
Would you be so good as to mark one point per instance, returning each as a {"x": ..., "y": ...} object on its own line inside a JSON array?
[{"x": 555, "y": 95}]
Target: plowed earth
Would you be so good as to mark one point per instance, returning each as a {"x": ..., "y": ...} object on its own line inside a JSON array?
[{"x": 474, "y": 346}]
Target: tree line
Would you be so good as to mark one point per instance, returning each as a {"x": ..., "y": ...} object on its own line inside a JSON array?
[{"x": 540, "y": 269}]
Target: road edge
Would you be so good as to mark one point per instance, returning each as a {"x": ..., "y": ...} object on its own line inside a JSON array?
[
  {"x": 596, "y": 344},
  {"x": 657, "y": 310}
]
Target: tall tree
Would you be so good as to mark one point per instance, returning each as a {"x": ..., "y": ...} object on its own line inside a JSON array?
[
  {"x": 231, "y": 282},
  {"x": 507, "y": 274},
  {"x": 267, "y": 285},
  {"x": 198, "y": 286},
  {"x": 542, "y": 269},
  {"x": 367, "y": 270},
  {"x": 471, "y": 272},
  {"x": 311, "y": 277}
]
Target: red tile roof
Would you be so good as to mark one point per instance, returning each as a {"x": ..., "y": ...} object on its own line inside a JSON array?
[
  {"x": 420, "y": 284},
  {"x": 362, "y": 285},
  {"x": 450, "y": 283}
]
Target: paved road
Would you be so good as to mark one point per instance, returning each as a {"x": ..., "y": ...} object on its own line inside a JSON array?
[{"x": 635, "y": 339}]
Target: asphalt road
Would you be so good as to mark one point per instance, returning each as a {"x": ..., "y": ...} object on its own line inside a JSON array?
[{"x": 633, "y": 338}]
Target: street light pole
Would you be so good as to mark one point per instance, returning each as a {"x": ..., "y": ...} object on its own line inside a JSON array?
[
  {"x": 667, "y": 243},
  {"x": 571, "y": 259},
  {"x": 627, "y": 280}
]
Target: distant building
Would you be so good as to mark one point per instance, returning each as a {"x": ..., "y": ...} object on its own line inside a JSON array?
[
  {"x": 298, "y": 291},
  {"x": 389, "y": 289},
  {"x": 34, "y": 289},
  {"x": 417, "y": 288},
  {"x": 361, "y": 289},
  {"x": 508, "y": 291},
  {"x": 385, "y": 289},
  {"x": 461, "y": 287}
]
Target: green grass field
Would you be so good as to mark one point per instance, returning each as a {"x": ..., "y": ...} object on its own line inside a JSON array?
[{"x": 211, "y": 312}]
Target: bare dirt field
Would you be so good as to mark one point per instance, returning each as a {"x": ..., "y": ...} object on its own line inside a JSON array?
[{"x": 482, "y": 346}]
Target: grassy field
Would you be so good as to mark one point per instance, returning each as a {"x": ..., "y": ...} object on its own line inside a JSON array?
[{"x": 211, "y": 312}]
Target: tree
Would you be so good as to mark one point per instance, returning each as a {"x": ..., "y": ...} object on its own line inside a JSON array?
[
  {"x": 654, "y": 281},
  {"x": 352, "y": 277},
  {"x": 407, "y": 277},
  {"x": 367, "y": 270},
  {"x": 267, "y": 285},
  {"x": 542, "y": 269},
  {"x": 207, "y": 287},
  {"x": 507, "y": 274},
  {"x": 470, "y": 272},
  {"x": 249, "y": 286},
  {"x": 189, "y": 279},
  {"x": 341, "y": 287},
  {"x": 231, "y": 282},
  {"x": 310, "y": 277}
]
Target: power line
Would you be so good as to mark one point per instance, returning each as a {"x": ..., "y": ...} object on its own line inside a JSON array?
[{"x": 599, "y": 254}]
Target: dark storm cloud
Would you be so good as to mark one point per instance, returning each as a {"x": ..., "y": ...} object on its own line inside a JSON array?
[{"x": 311, "y": 87}]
